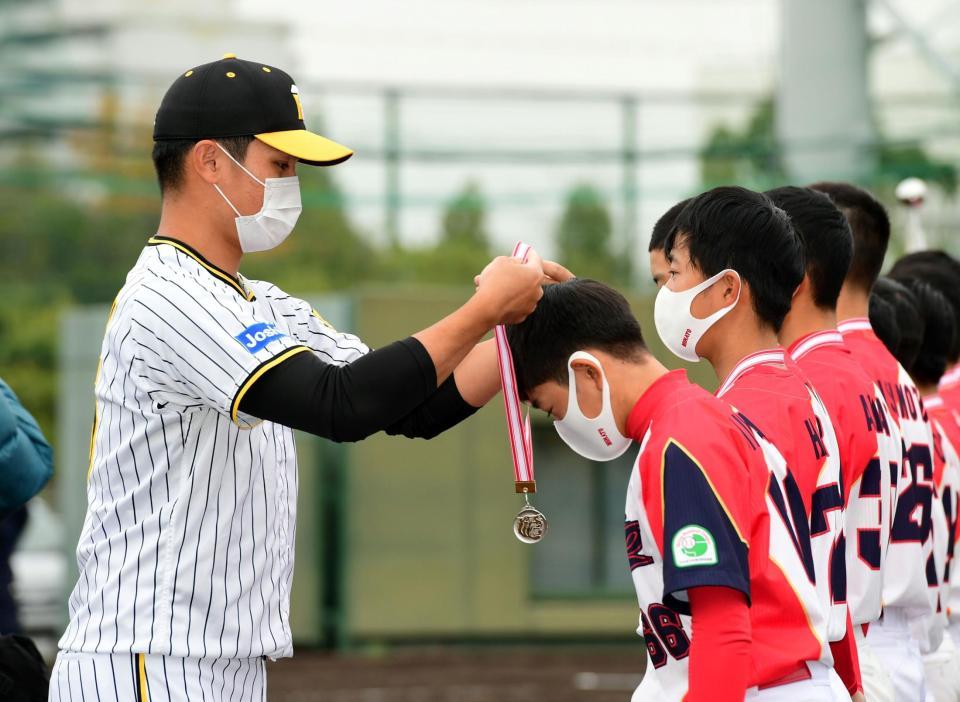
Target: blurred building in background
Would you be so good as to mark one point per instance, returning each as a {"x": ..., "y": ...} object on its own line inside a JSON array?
[{"x": 86, "y": 64}]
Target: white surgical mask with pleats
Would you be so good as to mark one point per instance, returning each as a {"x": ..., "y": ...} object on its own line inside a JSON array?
[
  {"x": 597, "y": 439},
  {"x": 281, "y": 208}
]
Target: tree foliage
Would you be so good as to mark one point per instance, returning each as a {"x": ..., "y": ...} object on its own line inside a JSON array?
[
  {"x": 585, "y": 238},
  {"x": 752, "y": 157}
]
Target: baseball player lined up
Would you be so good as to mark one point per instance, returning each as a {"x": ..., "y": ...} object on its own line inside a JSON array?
[
  {"x": 905, "y": 587},
  {"x": 869, "y": 442},
  {"x": 717, "y": 540},
  {"x": 928, "y": 288},
  {"x": 186, "y": 552},
  {"x": 941, "y": 398},
  {"x": 712, "y": 253}
]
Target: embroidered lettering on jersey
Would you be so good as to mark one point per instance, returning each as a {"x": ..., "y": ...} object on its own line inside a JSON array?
[
  {"x": 257, "y": 336},
  {"x": 692, "y": 546}
]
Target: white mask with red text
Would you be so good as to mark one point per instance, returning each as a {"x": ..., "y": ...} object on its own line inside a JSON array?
[
  {"x": 679, "y": 330},
  {"x": 597, "y": 439}
]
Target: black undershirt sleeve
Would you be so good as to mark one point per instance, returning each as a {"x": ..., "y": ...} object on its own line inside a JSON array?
[
  {"x": 444, "y": 409},
  {"x": 393, "y": 388}
]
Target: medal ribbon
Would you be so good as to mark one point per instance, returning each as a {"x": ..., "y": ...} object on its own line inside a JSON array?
[{"x": 518, "y": 428}]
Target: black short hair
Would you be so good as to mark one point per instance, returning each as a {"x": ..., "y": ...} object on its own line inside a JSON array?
[
  {"x": 870, "y": 226},
  {"x": 661, "y": 230},
  {"x": 169, "y": 154},
  {"x": 826, "y": 236},
  {"x": 909, "y": 322},
  {"x": 572, "y": 316},
  {"x": 883, "y": 319},
  {"x": 942, "y": 271},
  {"x": 939, "y": 332},
  {"x": 732, "y": 227}
]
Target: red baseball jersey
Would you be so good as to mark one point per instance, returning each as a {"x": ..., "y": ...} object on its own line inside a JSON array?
[
  {"x": 904, "y": 576},
  {"x": 710, "y": 503},
  {"x": 949, "y": 390},
  {"x": 769, "y": 389},
  {"x": 871, "y": 453},
  {"x": 946, "y": 453}
]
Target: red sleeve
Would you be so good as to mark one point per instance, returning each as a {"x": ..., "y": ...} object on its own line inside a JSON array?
[
  {"x": 846, "y": 660},
  {"x": 720, "y": 648}
]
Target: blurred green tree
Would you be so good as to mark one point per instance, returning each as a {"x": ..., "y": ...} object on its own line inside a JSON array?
[
  {"x": 585, "y": 238},
  {"x": 464, "y": 219},
  {"x": 749, "y": 157},
  {"x": 752, "y": 157},
  {"x": 461, "y": 252}
]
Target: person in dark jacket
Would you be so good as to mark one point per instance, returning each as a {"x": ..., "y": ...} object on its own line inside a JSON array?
[
  {"x": 26, "y": 464},
  {"x": 26, "y": 459}
]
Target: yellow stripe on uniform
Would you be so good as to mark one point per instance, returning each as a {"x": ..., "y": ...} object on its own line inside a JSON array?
[
  {"x": 142, "y": 677},
  {"x": 248, "y": 383},
  {"x": 96, "y": 379},
  {"x": 216, "y": 271}
]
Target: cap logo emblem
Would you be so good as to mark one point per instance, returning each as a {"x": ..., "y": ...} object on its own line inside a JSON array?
[{"x": 295, "y": 92}]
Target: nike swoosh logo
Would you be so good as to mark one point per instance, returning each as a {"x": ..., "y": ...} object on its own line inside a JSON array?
[{"x": 161, "y": 405}]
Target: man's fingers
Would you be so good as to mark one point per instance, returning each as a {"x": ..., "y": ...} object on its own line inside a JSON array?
[
  {"x": 534, "y": 260},
  {"x": 555, "y": 272}
]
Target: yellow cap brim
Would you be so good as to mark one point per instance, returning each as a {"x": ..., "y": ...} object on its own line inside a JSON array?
[{"x": 308, "y": 147}]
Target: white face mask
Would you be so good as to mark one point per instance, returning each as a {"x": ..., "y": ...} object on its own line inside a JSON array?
[
  {"x": 597, "y": 439},
  {"x": 273, "y": 223},
  {"x": 679, "y": 330}
]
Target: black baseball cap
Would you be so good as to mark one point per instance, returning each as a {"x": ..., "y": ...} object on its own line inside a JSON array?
[{"x": 231, "y": 98}]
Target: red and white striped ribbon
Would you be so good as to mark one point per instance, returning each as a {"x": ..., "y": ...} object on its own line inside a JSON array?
[{"x": 518, "y": 428}]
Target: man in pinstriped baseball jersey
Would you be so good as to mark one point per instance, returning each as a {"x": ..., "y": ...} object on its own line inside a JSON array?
[{"x": 186, "y": 552}]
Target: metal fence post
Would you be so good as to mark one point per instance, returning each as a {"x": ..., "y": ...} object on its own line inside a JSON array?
[
  {"x": 391, "y": 160},
  {"x": 629, "y": 191}
]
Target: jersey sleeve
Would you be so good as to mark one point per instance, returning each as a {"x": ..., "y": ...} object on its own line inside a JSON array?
[
  {"x": 703, "y": 543},
  {"x": 200, "y": 346},
  {"x": 308, "y": 327}
]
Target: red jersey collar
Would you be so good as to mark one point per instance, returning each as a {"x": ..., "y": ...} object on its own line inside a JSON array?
[
  {"x": 932, "y": 402},
  {"x": 854, "y": 324},
  {"x": 951, "y": 378},
  {"x": 653, "y": 401},
  {"x": 814, "y": 340},
  {"x": 757, "y": 358}
]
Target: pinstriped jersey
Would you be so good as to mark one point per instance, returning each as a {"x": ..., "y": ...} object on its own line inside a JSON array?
[
  {"x": 871, "y": 453},
  {"x": 188, "y": 541},
  {"x": 710, "y": 503},
  {"x": 772, "y": 392},
  {"x": 904, "y": 578}
]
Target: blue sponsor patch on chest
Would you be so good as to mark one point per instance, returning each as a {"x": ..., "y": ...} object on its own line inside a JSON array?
[{"x": 257, "y": 336}]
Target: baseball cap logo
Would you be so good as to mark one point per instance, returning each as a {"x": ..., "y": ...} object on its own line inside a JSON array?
[
  {"x": 295, "y": 92},
  {"x": 686, "y": 338}
]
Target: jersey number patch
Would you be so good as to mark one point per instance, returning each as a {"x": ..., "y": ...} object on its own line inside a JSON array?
[
  {"x": 635, "y": 546},
  {"x": 664, "y": 634},
  {"x": 913, "y": 519}
]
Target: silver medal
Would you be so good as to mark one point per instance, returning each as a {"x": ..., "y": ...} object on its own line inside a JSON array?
[{"x": 530, "y": 525}]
